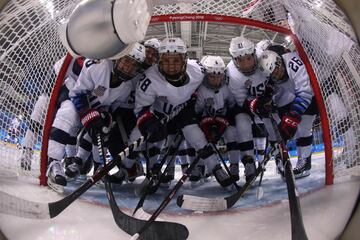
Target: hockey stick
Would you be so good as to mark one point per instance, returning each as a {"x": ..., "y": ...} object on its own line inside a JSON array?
[
  {"x": 24, "y": 208},
  {"x": 139, "y": 191},
  {"x": 195, "y": 203},
  {"x": 259, "y": 189},
  {"x": 173, "y": 230},
  {"x": 297, "y": 225},
  {"x": 224, "y": 163},
  {"x": 131, "y": 225},
  {"x": 149, "y": 188},
  {"x": 166, "y": 200}
]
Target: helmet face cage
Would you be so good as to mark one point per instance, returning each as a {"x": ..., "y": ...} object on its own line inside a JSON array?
[
  {"x": 151, "y": 51},
  {"x": 246, "y": 64},
  {"x": 173, "y": 59},
  {"x": 152, "y": 56},
  {"x": 126, "y": 68},
  {"x": 214, "y": 72},
  {"x": 173, "y": 66}
]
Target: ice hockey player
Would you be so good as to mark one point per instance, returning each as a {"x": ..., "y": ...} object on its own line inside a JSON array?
[
  {"x": 39, "y": 111},
  {"x": 213, "y": 102},
  {"x": 247, "y": 84},
  {"x": 166, "y": 86},
  {"x": 259, "y": 128},
  {"x": 99, "y": 85},
  {"x": 295, "y": 101},
  {"x": 14, "y": 130},
  {"x": 124, "y": 116},
  {"x": 126, "y": 71},
  {"x": 152, "y": 52}
]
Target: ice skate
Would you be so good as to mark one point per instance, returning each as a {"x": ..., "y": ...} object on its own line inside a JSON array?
[
  {"x": 302, "y": 168},
  {"x": 234, "y": 172},
  {"x": 56, "y": 177},
  {"x": 72, "y": 170},
  {"x": 221, "y": 176},
  {"x": 250, "y": 167}
]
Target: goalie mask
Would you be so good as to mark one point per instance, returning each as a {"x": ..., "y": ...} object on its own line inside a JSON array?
[
  {"x": 173, "y": 60},
  {"x": 271, "y": 64},
  {"x": 152, "y": 52},
  {"x": 127, "y": 67},
  {"x": 242, "y": 52},
  {"x": 214, "y": 72}
]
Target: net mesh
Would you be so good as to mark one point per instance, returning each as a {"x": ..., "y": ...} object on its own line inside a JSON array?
[{"x": 30, "y": 46}]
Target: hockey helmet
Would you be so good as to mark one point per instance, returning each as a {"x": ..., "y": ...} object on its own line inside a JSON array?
[
  {"x": 127, "y": 67},
  {"x": 271, "y": 64},
  {"x": 214, "y": 71},
  {"x": 152, "y": 52},
  {"x": 173, "y": 60},
  {"x": 242, "y": 51},
  {"x": 153, "y": 43}
]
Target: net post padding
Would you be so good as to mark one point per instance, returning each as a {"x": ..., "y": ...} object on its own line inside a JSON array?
[
  {"x": 329, "y": 178},
  {"x": 50, "y": 118}
]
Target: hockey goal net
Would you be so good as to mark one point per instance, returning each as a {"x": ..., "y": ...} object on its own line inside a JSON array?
[{"x": 30, "y": 46}]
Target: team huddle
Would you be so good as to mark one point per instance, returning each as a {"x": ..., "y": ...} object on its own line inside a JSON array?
[{"x": 120, "y": 100}]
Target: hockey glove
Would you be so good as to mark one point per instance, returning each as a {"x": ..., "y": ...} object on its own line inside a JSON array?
[
  {"x": 260, "y": 106},
  {"x": 95, "y": 123},
  {"x": 288, "y": 125},
  {"x": 151, "y": 127},
  {"x": 213, "y": 128}
]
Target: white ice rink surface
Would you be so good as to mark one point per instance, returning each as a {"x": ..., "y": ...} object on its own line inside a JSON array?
[{"x": 325, "y": 209}]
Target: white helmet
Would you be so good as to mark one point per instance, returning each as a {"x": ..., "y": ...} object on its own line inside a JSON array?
[
  {"x": 213, "y": 64},
  {"x": 176, "y": 73},
  {"x": 269, "y": 60},
  {"x": 172, "y": 45},
  {"x": 214, "y": 72},
  {"x": 262, "y": 46},
  {"x": 122, "y": 73},
  {"x": 137, "y": 52},
  {"x": 241, "y": 46},
  {"x": 153, "y": 43}
]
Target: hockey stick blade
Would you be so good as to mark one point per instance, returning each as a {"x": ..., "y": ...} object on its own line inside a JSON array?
[
  {"x": 25, "y": 208},
  {"x": 156, "y": 231},
  {"x": 204, "y": 204}
]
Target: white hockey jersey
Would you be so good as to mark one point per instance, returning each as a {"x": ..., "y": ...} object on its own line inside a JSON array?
[
  {"x": 70, "y": 76},
  {"x": 298, "y": 84},
  {"x": 130, "y": 101},
  {"x": 214, "y": 102},
  {"x": 94, "y": 81},
  {"x": 242, "y": 86},
  {"x": 153, "y": 90}
]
